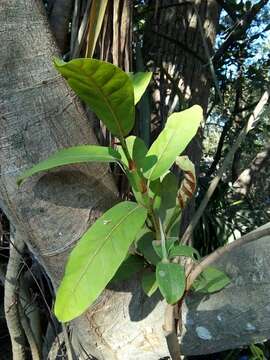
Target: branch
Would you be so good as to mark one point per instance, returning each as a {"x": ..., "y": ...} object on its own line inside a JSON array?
[
  {"x": 240, "y": 29},
  {"x": 252, "y": 121},
  {"x": 229, "y": 10},
  {"x": 210, "y": 259},
  {"x": 245, "y": 179}
]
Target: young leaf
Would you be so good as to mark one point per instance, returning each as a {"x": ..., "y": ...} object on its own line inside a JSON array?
[
  {"x": 140, "y": 81},
  {"x": 145, "y": 247},
  {"x": 73, "y": 155},
  {"x": 137, "y": 150},
  {"x": 105, "y": 88},
  {"x": 184, "y": 250},
  {"x": 171, "y": 281},
  {"x": 149, "y": 283},
  {"x": 169, "y": 244},
  {"x": 188, "y": 184},
  {"x": 165, "y": 199},
  {"x": 96, "y": 258},
  {"x": 179, "y": 130},
  {"x": 211, "y": 280},
  {"x": 129, "y": 267}
]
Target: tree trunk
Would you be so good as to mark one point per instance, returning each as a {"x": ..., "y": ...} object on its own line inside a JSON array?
[{"x": 178, "y": 43}]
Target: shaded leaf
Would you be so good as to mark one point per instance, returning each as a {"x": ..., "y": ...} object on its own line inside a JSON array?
[
  {"x": 169, "y": 245},
  {"x": 105, "y": 88},
  {"x": 96, "y": 258},
  {"x": 137, "y": 150},
  {"x": 74, "y": 155},
  {"x": 140, "y": 81},
  {"x": 171, "y": 281},
  {"x": 129, "y": 267},
  {"x": 180, "y": 128},
  {"x": 184, "y": 250},
  {"x": 145, "y": 247},
  {"x": 211, "y": 280},
  {"x": 149, "y": 283},
  {"x": 165, "y": 199}
]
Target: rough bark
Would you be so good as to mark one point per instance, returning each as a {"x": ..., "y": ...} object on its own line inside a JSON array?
[{"x": 178, "y": 40}]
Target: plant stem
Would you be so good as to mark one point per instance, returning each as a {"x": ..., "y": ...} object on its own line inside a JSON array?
[{"x": 163, "y": 243}]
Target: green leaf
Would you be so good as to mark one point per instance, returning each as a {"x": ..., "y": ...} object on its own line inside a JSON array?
[
  {"x": 129, "y": 267},
  {"x": 171, "y": 281},
  {"x": 145, "y": 247},
  {"x": 179, "y": 130},
  {"x": 184, "y": 250},
  {"x": 149, "y": 283},
  {"x": 137, "y": 149},
  {"x": 96, "y": 258},
  {"x": 105, "y": 88},
  {"x": 140, "y": 81},
  {"x": 169, "y": 244},
  {"x": 165, "y": 199},
  {"x": 74, "y": 155},
  {"x": 211, "y": 280}
]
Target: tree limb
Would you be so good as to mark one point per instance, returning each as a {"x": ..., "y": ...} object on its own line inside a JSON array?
[
  {"x": 251, "y": 123},
  {"x": 240, "y": 28},
  {"x": 210, "y": 259}
]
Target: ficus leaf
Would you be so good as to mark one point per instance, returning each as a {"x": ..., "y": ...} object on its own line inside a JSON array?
[
  {"x": 171, "y": 281},
  {"x": 73, "y": 155},
  {"x": 96, "y": 258},
  {"x": 145, "y": 247},
  {"x": 211, "y": 280},
  {"x": 180, "y": 128},
  {"x": 184, "y": 250},
  {"x": 137, "y": 150},
  {"x": 140, "y": 81},
  {"x": 105, "y": 88},
  {"x": 169, "y": 245},
  {"x": 165, "y": 198},
  {"x": 130, "y": 266},
  {"x": 149, "y": 283}
]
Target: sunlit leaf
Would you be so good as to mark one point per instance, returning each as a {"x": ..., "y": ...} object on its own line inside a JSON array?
[
  {"x": 140, "y": 81},
  {"x": 96, "y": 258},
  {"x": 149, "y": 283},
  {"x": 105, "y": 88},
  {"x": 180, "y": 128},
  {"x": 211, "y": 280},
  {"x": 74, "y": 155},
  {"x": 171, "y": 281}
]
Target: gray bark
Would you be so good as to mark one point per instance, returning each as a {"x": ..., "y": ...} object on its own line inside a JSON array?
[{"x": 39, "y": 114}]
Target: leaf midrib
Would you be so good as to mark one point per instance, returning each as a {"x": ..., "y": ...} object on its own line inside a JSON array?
[
  {"x": 107, "y": 101},
  {"x": 161, "y": 156},
  {"x": 101, "y": 246}
]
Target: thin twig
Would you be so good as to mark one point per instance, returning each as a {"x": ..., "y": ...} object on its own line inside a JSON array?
[{"x": 252, "y": 121}]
